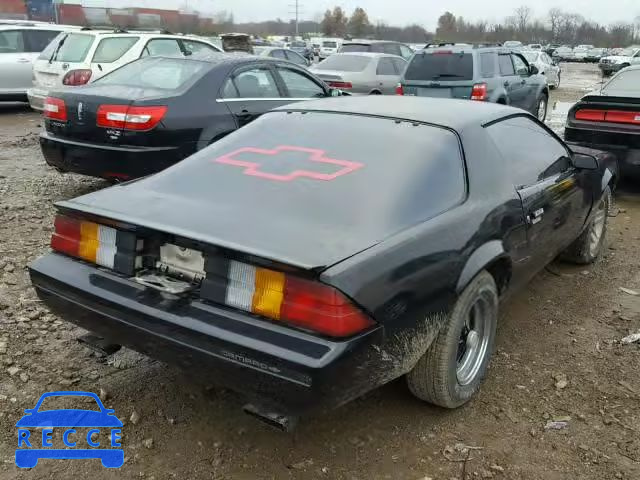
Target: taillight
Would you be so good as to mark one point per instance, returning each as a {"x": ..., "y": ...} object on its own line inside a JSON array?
[
  {"x": 130, "y": 117},
  {"x": 399, "y": 89},
  {"x": 612, "y": 116},
  {"x": 590, "y": 115},
  {"x": 286, "y": 298},
  {"x": 96, "y": 243},
  {"x": 343, "y": 85},
  {"x": 479, "y": 92},
  {"x": 77, "y": 77},
  {"x": 55, "y": 109},
  {"x": 442, "y": 52},
  {"x": 620, "y": 116}
]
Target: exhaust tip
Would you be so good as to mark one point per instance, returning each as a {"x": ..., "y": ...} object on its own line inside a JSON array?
[{"x": 284, "y": 423}]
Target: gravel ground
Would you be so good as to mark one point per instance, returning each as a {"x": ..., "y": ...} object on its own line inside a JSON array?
[{"x": 559, "y": 357}]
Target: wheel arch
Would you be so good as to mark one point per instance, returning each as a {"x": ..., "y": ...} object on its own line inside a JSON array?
[{"x": 491, "y": 257}]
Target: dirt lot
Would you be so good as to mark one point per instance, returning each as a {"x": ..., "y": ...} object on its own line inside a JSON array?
[{"x": 566, "y": 325}]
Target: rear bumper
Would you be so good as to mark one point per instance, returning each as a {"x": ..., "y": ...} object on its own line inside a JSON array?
[
  {"x": 109, "y": 161},
  {"x": 269, "y": 364}
]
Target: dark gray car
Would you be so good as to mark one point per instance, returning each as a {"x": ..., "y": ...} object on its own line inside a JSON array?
[{"x": 491, "y": 74}]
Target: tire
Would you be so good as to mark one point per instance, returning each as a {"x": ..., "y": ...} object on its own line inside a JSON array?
[
  {"x": 441, "y": 376},
  {"x": 541, "y": 107},
  {"x": 587, "y": 247}
]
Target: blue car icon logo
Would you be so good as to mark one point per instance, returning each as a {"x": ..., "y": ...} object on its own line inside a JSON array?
[{"x": 31, "y": 448}]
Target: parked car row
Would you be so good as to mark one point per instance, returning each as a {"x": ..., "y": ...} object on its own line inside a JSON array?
[{"x": 615, "y": 63}]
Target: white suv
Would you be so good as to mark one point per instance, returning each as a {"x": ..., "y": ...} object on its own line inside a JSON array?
[
  {"x": 20, "y": 44},
  {"x": 80, "y": 57}
]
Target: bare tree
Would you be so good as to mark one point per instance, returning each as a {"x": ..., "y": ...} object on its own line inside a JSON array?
[
  {"x": 523, "y": 16},
  {"x": 555, "y": 14}
]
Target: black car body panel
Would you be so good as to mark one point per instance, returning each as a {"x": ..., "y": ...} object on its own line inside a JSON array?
[
  {"x": 196, "y": 116},
  {"x": 405, "y": 265},
  {"x": 621, "y": 139}
]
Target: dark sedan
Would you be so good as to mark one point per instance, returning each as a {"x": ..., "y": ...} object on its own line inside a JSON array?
[
  {"x": 609, "y": 119},
  {"x": 157, "y": 111},
  {"x": 330, "y": 247}
]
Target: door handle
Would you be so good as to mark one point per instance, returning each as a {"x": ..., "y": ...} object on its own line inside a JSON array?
[
  {"x": 506, "y": 84},
  {"x": 535, "y": 217},
  {"x": 523, "y": 82},
  {"x": 24, "y": 60},
  {"x": 244, "y": 113}
]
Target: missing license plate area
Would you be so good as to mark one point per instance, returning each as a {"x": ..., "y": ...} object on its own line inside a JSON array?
[
  {"x": 164, "y": 283},
  {"x": 180, "y": 262}
]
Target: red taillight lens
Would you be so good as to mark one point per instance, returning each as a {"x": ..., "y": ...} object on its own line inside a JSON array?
[
  {"x": 479, "y": 92},
  {"x": 130, "y": 117},
  {"x": 343, "y": 85},
  {"x": 288, "y": 299},
  {"x": 77, "y": 77},
  {"x": 619, "y": 116},
  {"x": 66, "y": 235},
  {"x": 55, "y": 109},
  {"x": 321, "y": 308},
  {"x": 590, "y": 115},
  {"x": 399, "y": 89}
]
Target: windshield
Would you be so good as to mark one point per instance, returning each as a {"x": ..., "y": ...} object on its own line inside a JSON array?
[
  {"x": 344, "y": 63},
  {"x": 628, "y": 52},
  {"x": 298, "y": 45},
  {"x": 440, "y": 66},
  {"x": 531, "y": 56},
  {"x": 162, "y": 73},
  {"x": 356, "y": 47},
  {"x": 330, "y": 44},
  {"x": 69, "y": 48}
]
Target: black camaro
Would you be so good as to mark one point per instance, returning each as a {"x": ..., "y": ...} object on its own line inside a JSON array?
[
  {"x": 156, "y": 111},
  {"x": 330, "y": 247},
  {"x": 609, "y": 120}
]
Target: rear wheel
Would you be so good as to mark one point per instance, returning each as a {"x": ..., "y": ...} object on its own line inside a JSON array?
[
  {"x": 588, "y": 246},
  {"x": 451, "y": 371}
]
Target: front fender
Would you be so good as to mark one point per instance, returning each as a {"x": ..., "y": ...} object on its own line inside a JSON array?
[{"x": 483, "y": 256}]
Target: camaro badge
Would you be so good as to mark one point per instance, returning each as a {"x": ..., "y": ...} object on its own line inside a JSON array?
[{"x": 80, "y": 110}]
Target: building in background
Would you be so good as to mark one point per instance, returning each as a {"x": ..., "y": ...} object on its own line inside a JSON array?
[{"x": 87, "y": 13}]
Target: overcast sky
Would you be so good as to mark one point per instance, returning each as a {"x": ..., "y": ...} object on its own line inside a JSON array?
[{"x": 402, "y": 12}]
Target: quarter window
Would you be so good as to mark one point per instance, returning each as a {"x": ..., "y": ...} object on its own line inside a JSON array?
[
  {"x": 531, "y": 152},
  {"x": 406, "y": 52},
  {"x": 506, "y": 65},
  {"x": 296, "y": 58},
  {"x": 192, "y": 47},
  {"x": 300, "y": 86},
  {"x": 487, "y": 65},
  {"x": 521, "y": 66},
  {"x": 164, "y": 47},
  {"x": 385, "y": 67},
  {"x": 111, "y": 49},
  {"x": 392, "y": 49},
  {"x": 278, "y": 54}
]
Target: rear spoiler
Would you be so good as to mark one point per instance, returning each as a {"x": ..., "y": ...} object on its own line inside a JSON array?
[{"x": 612, "y": 101}]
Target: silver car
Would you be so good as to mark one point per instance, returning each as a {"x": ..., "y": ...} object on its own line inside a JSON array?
[
  {"x": 362, "y": 72},
  {"x": 20, "y": 45}
]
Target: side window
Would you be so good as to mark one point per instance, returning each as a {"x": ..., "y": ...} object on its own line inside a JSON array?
[
  {"x": 374, "y": 47},
  {"x": 11, "y": 41},
  {"x": 385, "y": 67},
  {"x": 546, "y": 59},
  {"x": 256, "y": 83},
  {"x": 392, "y": 49},
  {"x": 296, "y": 58},
  {"x": 406, "y": 52},
  {"x": 192, "y": 47},
  {"x": 487, "y": 65},
  {"x": 521, "y": 66},
  {"x": 37, "y": 40},
  {"x": 167, "y": 47},
  {"x": 278, "y": 54},
  {"x": 299, "y": 85},
  {"x": 532, "y": 153},
  {"x": 400, "y": 65},
  {"x": 111, "y": 49},
  {"x": 506, "y": 65},
  {"x": 229, "y": 90}
]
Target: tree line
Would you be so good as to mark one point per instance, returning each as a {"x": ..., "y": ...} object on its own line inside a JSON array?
[{"x": 557, "y": 26}]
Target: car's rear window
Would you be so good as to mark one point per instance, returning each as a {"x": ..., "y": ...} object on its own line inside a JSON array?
[
  {"x": 161, "y": 73},
  {"x": 625, "y": 84},
  {"x": 440, "y": 65},
  {"x": 70, "y": 48},
  {"x": 300, "y": 169},
  {"x": 344, "y": 63},
  {"x": 356, "y": 47},
  {"x": 111, "y": 49},
  {"x": 329, "y": 44}
]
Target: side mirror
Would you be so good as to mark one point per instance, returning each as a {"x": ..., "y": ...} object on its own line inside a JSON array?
[
  {"x": 584, "y": 162},
  {"x": 334, "y": 92},
  {"x": 533, "y": 70}
]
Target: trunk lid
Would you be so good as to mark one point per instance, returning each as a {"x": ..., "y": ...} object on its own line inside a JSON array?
[
  {"x": 82, "y": 106},
  {"x": 67, "y": 52}
]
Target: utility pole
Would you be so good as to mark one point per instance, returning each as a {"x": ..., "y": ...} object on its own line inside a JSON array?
[{"x": 296, "y": 6}]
